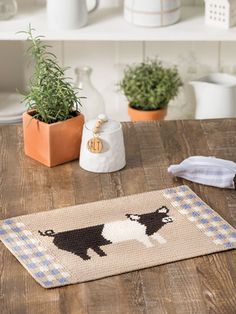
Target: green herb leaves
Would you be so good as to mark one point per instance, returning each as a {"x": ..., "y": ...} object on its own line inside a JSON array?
[
  {"x": 51, "y": 97},
  {"x": 150, "y": 85}
]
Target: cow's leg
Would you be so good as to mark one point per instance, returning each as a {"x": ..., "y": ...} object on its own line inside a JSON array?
[
  {"x": 146, "y": 241},
  {"x": 156, "y": 236},
  {"x": 99, "y": 251},
  {"x": 83, "y": 255}
]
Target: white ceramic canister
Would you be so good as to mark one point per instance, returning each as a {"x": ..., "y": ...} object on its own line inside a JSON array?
[
  {"x": 215, "y": 96},
  {"x": 112, "y": 156},
  {"x": 152, "y": 13},
  {"x": 68, "y": 14}
]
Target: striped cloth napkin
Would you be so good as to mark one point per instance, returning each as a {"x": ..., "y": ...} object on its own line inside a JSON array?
[{"x": 207, "y": 170}]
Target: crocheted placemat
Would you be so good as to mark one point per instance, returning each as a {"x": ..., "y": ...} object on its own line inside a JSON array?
[{"x": 95, "y": 240}]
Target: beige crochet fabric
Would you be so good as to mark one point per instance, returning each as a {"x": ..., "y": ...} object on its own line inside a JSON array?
[{"x": 95, "y": 240}]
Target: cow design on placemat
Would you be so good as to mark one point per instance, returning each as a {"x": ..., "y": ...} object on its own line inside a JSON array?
[{"x": 135, "y": 227}]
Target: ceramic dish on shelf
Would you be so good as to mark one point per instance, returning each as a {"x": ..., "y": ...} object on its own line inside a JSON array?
[
  {"x": 10, "y": 105},
  {"x": 152, "y": 13},
  {"x": 11, "y": 108},
  {"x": 13, "y": 121}
]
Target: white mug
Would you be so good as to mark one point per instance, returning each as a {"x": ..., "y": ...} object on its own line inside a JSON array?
[{"x": 68, "y": 14}]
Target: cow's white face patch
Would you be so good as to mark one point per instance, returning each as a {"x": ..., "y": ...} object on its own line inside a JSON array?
[
  {"x": 163, "y": 210},
  {"x": 134, "y": 217},
  {"x": 167, "y": 219}
]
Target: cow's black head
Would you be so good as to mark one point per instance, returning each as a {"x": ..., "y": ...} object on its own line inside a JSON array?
[{"x": 153, "y": 221}]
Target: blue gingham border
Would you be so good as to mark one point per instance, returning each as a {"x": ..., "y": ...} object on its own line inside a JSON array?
[
  {"x": 206, "y": 219},
  {"x": 32, "y": 255}
]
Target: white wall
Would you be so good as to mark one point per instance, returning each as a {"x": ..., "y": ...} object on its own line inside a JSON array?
[
  {"x": 194, "y": 60},
  {"x": 108, "y": 60}
]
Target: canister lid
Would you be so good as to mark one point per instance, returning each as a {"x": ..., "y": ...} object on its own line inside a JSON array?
[{"x": 108, "y": 127}]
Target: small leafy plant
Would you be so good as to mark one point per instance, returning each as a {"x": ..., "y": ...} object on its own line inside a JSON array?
[
  {"x": 51, "y": 97},
  {"x": 150, "y": 85}
]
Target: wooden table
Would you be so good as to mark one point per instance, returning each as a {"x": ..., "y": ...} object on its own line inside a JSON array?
[{"x": 200, "y": 285}]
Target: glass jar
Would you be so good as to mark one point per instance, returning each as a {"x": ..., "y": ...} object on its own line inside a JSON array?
[
  {"x": 8, "y": 9},
  {"x": 93, "y": 103}
]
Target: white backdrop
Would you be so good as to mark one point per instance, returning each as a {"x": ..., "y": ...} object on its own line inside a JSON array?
[{"x": 109, "y": 58}]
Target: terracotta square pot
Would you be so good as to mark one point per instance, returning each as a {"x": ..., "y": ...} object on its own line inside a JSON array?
[{"x": 52, "y": 144}]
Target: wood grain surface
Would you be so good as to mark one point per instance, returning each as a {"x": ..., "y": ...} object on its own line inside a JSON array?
[{"x": 200, "y": 285}]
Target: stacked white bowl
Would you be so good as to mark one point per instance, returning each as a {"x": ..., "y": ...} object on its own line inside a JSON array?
[{"x": 11, "y": 108}]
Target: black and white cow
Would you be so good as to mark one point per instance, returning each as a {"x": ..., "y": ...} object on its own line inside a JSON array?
[{"x": 135, "y": 227}]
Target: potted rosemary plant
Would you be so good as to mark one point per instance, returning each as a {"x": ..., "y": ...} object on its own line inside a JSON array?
[
  {"x": 53, "y": 123},
  {"x": 149, "y": 87}
]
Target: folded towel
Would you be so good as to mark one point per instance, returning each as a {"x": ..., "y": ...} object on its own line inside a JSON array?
[{"x": 207, "y": 170}]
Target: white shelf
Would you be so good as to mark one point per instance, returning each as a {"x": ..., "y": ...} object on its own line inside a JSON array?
[{"x": 109, "y": 25}]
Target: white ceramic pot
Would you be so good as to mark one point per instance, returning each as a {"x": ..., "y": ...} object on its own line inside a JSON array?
[
  {"x": 152, "y": 13},
  {"x": 112, "y": 156},
  {"x": 215, "y": 96},
  {"x": 68, "y": 14}
]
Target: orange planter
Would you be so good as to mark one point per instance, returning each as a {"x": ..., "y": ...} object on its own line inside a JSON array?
[
  {"x": 52, "y": 144},
  {"x": 142, "y": 115}
]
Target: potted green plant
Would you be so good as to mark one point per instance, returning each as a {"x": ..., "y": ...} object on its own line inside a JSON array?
[
  {"x": 149, "y": 87},
  {"x": 52, "y": 124}
]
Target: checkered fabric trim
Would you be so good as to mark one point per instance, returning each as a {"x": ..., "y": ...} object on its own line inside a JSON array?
[
  {"x": 198, "y": 212},
  {"x": 32, "y": 255}
]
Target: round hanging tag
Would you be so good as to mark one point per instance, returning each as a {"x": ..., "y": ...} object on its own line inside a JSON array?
[{"x": 95, "y": 145}]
